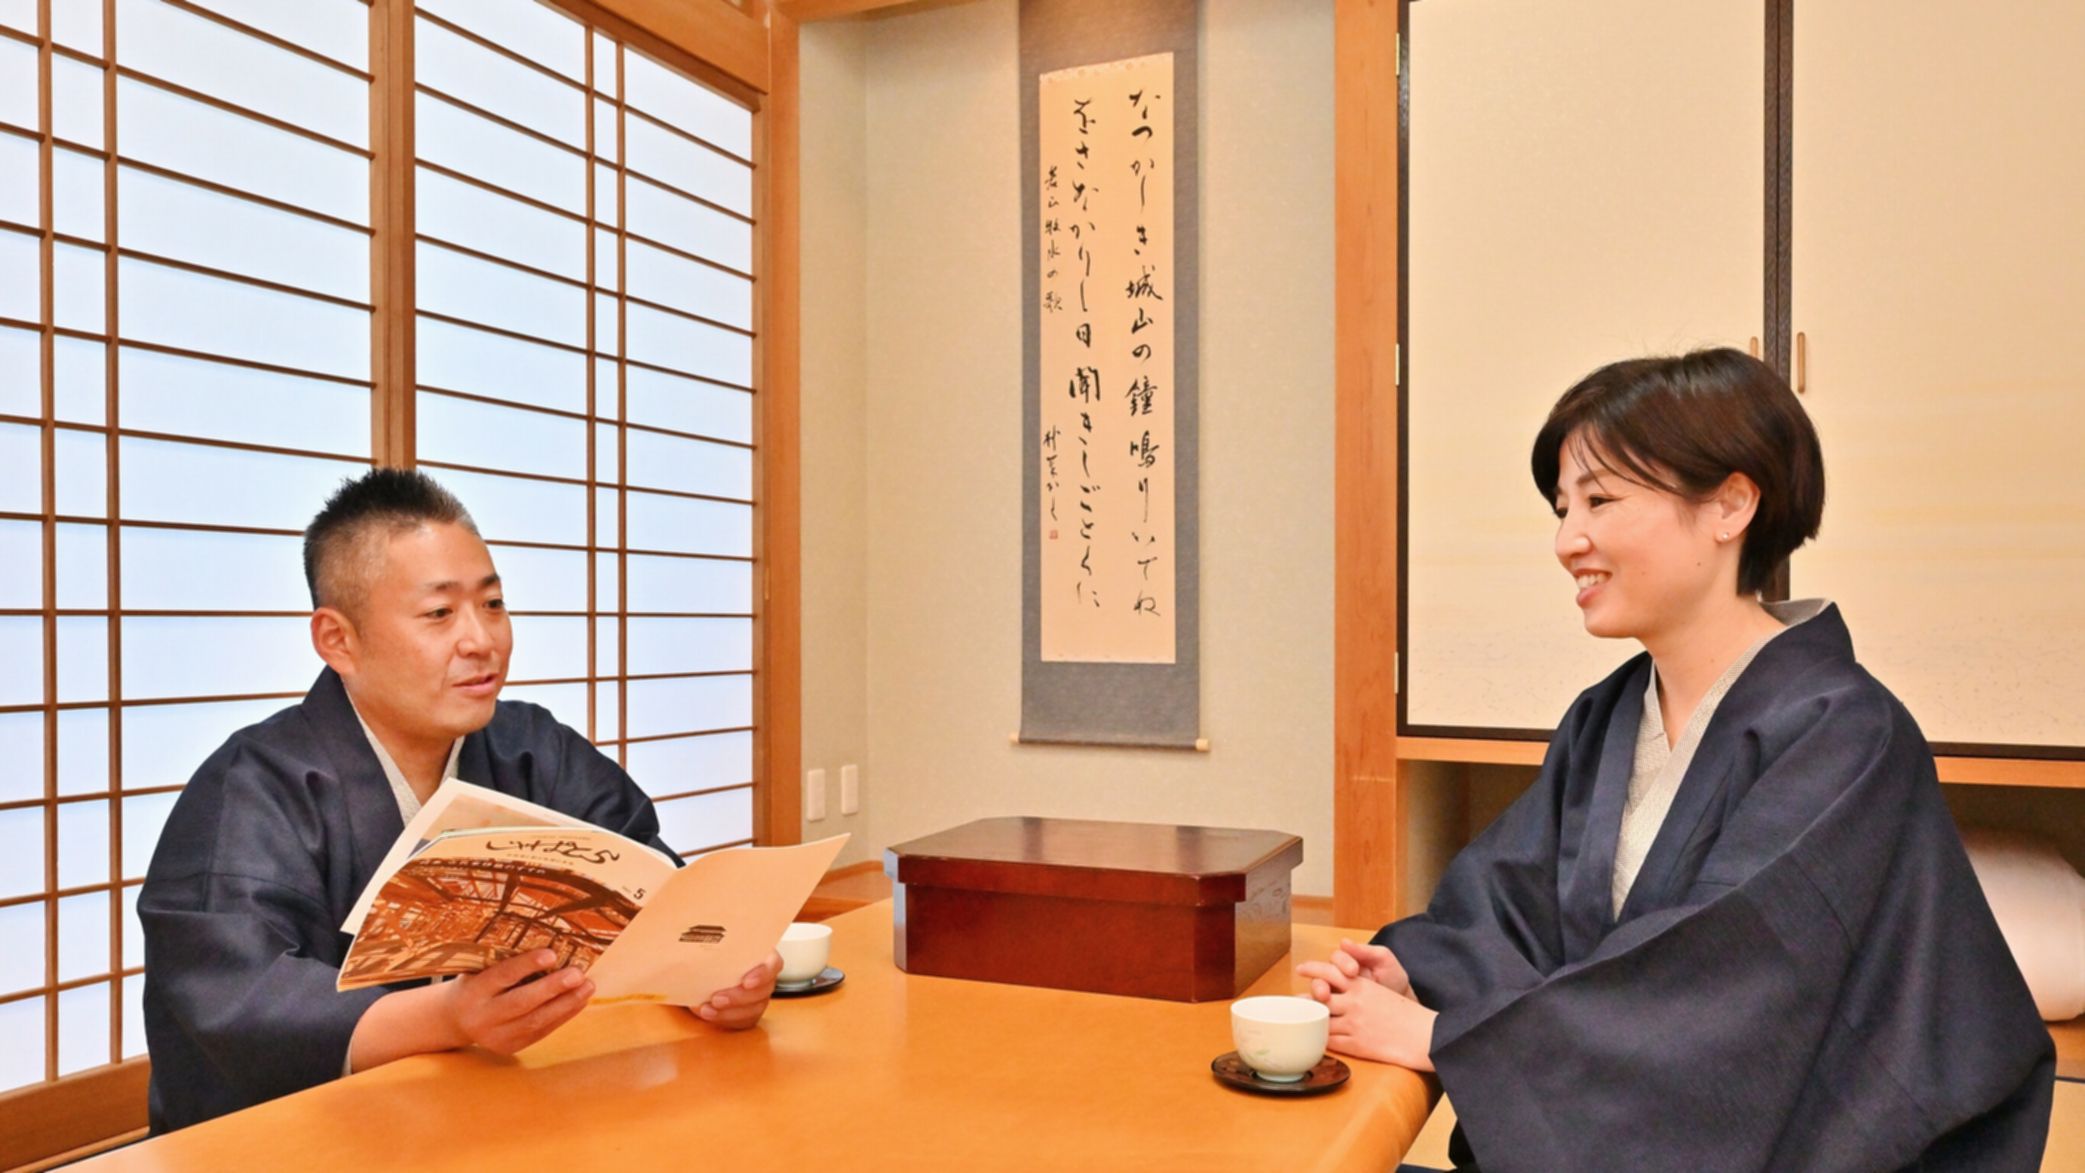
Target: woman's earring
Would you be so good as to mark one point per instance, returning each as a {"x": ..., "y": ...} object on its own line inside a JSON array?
[{"x": 1724, "y": 536}]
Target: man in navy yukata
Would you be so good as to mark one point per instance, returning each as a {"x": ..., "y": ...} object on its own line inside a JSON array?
[{"x": 280, "y": 830}]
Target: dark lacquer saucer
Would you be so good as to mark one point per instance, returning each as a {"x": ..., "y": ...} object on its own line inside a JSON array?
[
  {"x": 1327, "y": 1075},
  {"x": 827, "y": 978}
]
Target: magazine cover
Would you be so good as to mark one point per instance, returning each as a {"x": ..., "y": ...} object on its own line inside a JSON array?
[
  {"x": 643, "y": 929},
  {"x": 456, "y": 806},
  {"x": 472, "y": 898}
]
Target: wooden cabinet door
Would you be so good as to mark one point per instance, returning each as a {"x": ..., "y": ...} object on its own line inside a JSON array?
[
  {"x": 1939, "y": 295},
  {"x": 1585, "y": 185}
]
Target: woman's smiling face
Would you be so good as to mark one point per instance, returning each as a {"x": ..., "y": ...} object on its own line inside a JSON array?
[{"x": 1643, "y": 560}]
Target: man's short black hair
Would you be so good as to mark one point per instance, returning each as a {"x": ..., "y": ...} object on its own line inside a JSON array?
[
  {"x": 1682, "y": 425},
  {"x": 338, "y": 555}
]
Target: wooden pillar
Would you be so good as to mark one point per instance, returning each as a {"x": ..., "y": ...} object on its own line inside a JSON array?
[
  {"x": 1365, "y": 819},
  {"x": 780, "y": 815}
]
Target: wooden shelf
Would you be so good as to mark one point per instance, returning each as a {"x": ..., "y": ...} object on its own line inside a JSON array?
[
  {"x": 2070, "y": 1048},
  {"x": 2012, "y": 772},
  {"x": 2058, "y": 775},
  {"x": 1466, "y": 749}
]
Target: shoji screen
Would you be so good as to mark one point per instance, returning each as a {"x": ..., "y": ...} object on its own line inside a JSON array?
[
  {"x": 184, "y": 374},
  {"x": 585, "y": 369}
]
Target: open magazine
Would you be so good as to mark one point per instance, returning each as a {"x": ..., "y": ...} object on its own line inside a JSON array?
[{"x": 479, "y": 876}]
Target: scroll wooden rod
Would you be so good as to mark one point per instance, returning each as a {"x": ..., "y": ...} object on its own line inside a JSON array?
[{"x": 1201, "y": 744}]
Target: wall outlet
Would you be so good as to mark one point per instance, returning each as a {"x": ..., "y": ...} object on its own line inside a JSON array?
[
  {"x": 814, "y": 795},
  {"x": 850, "y": 789}
]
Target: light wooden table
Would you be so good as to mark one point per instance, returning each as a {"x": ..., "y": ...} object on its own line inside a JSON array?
[{"x": 888, "y": 1071}]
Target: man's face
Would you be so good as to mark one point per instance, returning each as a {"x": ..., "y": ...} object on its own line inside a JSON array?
[{"x": 430, "y": 638}]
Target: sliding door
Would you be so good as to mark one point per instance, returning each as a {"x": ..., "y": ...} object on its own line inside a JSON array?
[
  {"x": 204, "y": 329},
  {"x": 1585, "y": 185},
  {"x": 585, "y": 369},
  {"x": 1939, "y": 275},
  {"x": 185, "y": 318}
]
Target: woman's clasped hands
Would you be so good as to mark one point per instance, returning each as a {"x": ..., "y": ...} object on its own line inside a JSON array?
[{"x": 1375, "y": 1015}]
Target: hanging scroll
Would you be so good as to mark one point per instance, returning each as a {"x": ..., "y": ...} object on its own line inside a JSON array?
[
  {"x": 1110, "y": 597},
  {"x": 1107, "y": 362}
]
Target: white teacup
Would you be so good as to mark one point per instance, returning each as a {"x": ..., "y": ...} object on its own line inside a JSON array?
[
  {"x": 804, "y": 948},
  {"x": 1279, "y": 1036}
]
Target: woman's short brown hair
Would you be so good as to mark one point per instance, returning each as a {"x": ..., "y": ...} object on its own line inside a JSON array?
[{"x": 1682, "y": 425}]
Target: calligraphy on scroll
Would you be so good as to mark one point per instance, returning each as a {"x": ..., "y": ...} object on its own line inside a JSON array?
[{"x": 1106, "y": 362}]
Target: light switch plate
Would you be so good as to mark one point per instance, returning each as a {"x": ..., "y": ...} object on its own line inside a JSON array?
[
  {"x": 850, "y": 789},
  {"x": 814, "y": 795}
]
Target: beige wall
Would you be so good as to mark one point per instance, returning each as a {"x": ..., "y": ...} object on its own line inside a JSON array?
[
  {"x": 912, "y": 553},
  {"x": 835, "y": 633}
]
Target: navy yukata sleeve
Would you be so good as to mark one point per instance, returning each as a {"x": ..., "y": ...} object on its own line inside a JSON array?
[
  {"x": 1492, "y": 929},
  {"x": 241, "y": 947}
]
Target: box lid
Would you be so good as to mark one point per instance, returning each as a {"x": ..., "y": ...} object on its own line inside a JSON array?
[{"x": 1156, "y": 863}]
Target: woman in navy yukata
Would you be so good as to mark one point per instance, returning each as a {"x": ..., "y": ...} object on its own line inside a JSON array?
[{"x": 1731, "y": 924}]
